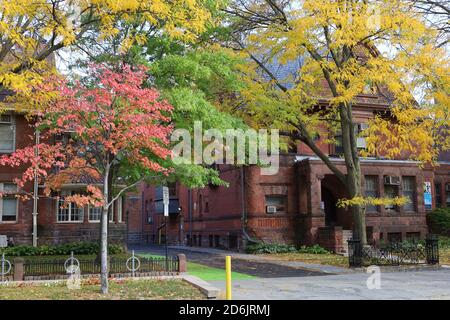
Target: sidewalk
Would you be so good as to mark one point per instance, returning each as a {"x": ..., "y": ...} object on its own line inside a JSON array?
[{"x": 257, "y": 258}]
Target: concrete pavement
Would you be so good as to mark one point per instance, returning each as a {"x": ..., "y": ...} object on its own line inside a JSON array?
[
  {"x": 265, "y": 259},
  {"x": 284, "y": 280},
  {"x": 243, "y": 263}
]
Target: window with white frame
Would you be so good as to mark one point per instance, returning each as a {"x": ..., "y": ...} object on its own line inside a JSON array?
[
  {"x": 95, "y": 214},
  {"x": 68, "y": 211},
  {"x": 111, "y": 212},
  {"x": 119, "y": 209},
  {"x": 8, "y": 202},
  {"x": 371, "y": 187},
  {"x": 7, "y": 133},
  {"x": 409, "y": 191}
]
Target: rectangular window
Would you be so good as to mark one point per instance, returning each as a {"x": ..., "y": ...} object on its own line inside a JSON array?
[
  {"x": 413, "y": 236},
  {"x": 390, "y": 191},
  {"x": 111, "y": 212},
  {"x": 7, "y": 134},
  {"x": 8, "y": 203},
  {"x": 338, "y": 148},
  {"x": 119, "y": 209},
  {"x": 447, "y": 194},
  {"x": 438, "y": 195},
  {"x": 371, "y": 190},
  {"x": 276, "y": 204},
  {"x": 394, "y": 237},
  {"x": 358, "y": 128},
  {"x": 95, "y": 214},
  {"x": 409, "y": 191},
  {"x": 172, "y": 189},
  {"x": 68, "y": 211}
]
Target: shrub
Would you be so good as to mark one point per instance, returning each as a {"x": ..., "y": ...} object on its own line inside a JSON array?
[
  {"x": 444, "y": 242},
  {"x": 315, "y": 249},
  {"x": 270, "y": 248},
  {"x": 62, "y": 249},
  {"x": 439, "y": 221},
  {"x": 283, "y": 248}
]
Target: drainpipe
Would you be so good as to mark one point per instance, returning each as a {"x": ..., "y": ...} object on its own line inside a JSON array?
[
  {"x": 35, "y": 192},
  {"x": 244, "y": 215},
  {"x": 143, "y": 214},
  {"x": 190, "y": 216}
]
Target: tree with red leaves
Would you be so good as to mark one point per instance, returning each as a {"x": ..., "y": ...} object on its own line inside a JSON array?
[{"x": 118, "y": 134}]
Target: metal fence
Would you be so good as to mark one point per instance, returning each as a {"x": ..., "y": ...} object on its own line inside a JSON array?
[
  {"x": 6, "y": 269},
  {"x": 48, "y": 267},
  {"x": 396, "y": 253},
  {"x": 120, "y": 265}
]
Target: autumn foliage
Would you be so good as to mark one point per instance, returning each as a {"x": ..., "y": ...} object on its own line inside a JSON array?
[{"x": 107, "y": 120}]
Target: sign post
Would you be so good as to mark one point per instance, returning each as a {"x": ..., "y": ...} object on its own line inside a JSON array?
[
  {"x": 228, "y": 277},
  {"x": 166, "y": 214},
  {"x": 427, "y": 197}
]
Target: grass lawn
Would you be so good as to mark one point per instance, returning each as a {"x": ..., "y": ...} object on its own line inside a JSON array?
[
  {"x": 208, "y": 273},
  {"x": 444, "y": 250},
  {"x": 90, "y": 290},
  {"x": 325, "y": 259},
  {"x": 444, "y": 256}
]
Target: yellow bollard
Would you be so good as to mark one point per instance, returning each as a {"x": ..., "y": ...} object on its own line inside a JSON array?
[{"x": 228, "y": 278}]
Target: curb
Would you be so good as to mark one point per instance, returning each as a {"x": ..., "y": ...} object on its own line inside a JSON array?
[{"x": 207, "y": 289}]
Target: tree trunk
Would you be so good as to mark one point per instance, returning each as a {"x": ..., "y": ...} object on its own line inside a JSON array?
[
  {"x": 359, "y": 218},
  {"x": 104, "y": 238},
  {"x": 104, "y": 251},
  {"x": 352, "y": 164}
]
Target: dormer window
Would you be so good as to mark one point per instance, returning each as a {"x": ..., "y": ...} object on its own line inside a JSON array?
[{"x": 370, "y": 88}]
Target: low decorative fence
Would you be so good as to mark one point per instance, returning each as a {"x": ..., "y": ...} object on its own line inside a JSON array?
[
  {"x": 6, "y": 269},
  {"x": 48, "y": 268},
  {"x": 394, "y": 254}
]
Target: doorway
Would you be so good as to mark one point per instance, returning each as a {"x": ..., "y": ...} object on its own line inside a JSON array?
[{"x": 329, "y": 203}]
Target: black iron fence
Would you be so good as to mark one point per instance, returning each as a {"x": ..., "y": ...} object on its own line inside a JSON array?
[
  {"x": 395, "y": 253},
  {"x": 47, "y": 266},
  {"x": 146, "y": 265}
]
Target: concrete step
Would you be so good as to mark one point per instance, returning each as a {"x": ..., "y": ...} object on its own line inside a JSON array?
[{"x": 346, "y": 235}]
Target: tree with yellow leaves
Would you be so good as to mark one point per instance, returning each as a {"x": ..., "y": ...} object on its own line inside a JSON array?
[
  {"x": 349, "y": 44},
  {"x": 33, "y": 31}
]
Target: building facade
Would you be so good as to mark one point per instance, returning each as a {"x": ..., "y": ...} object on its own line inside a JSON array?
[
  {"x": 55, "y": 223},
  {"x": 298, "y": 204}
]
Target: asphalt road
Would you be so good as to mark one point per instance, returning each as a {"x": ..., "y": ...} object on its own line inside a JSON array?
[
  {"x": 258, "y": 269},
  {"x": 281, "y": 282},
  {"x": 417, "y": 285}
]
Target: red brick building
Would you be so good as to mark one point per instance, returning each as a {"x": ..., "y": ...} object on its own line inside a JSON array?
[
  {"x": 55, "y": 224},
  {"x": 297, "y": 205}
]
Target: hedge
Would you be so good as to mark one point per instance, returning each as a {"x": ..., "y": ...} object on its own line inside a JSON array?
[
  {"x": 62, "y": 249},
  {"x": 283, "y": 248}
]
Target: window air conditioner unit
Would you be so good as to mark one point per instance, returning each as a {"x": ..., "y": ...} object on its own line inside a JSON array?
[
  {"x": 6, "y": 119},
  {"x": 392, "y": 180},
  {"x": 363, "y": 126},
  {"x": 361, "y": 143},
  {"x": 271, "y": 209}
]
